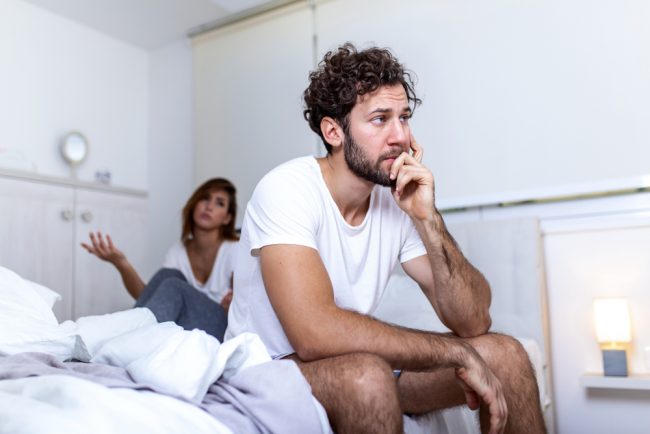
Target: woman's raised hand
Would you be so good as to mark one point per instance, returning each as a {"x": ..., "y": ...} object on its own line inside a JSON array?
[{"x": 104, "y": 249}]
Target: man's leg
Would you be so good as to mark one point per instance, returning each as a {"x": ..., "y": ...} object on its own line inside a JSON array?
[
  {"x": 358, "y": 391},
  {"x": 421, "y": 392}
]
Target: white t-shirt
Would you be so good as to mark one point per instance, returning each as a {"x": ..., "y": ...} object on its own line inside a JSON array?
[
  {"x": 218, "y": 283},
  {"x": 292, "y": 205}
]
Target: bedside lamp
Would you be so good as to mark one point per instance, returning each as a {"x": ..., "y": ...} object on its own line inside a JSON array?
[{"x": 612, "y": 317}]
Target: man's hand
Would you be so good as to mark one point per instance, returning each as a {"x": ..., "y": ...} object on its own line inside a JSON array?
[
  {"x": 480, "y": 384},
  {"x": 104, "y": 249},
  {"x": 414, "y": 186}
]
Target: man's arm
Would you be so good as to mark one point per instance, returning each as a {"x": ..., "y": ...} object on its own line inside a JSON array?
[
  {"x": 458, "y": 292},
  {"x": 301, "y": 294}
]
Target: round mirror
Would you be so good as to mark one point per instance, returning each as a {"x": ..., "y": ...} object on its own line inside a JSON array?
[{"x": 74, "y": 148}]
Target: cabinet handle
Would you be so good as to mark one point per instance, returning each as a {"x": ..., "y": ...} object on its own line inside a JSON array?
[
  {"x": 67, "y": 215},
  {"x": 87, "y": 216}
]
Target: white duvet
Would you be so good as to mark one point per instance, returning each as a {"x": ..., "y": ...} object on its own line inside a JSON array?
[
  {"x": 62, "y": 404},
  {"x": 164, "y": 356}
]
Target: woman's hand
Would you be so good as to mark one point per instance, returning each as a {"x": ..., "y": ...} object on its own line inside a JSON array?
[
  {"x": 226, "y": 300},
  {"x": 104, "y": 249}
]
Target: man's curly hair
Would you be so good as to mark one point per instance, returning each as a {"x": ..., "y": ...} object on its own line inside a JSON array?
[{"x": 344, "y": 75}]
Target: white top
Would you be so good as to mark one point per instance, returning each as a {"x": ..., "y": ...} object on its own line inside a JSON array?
[
  {"x": 218, "y": 283},
  {"x": 292, "y": 205}
]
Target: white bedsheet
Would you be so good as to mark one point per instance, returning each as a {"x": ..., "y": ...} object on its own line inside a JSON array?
[
  {"x": 63, "y": 404},
  {"x": 163, "y": 356}
]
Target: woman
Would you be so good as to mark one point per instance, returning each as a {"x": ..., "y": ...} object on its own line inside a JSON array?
[{"x": 193, "y": 288}]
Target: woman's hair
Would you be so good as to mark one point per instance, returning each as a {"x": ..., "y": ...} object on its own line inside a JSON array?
[
  {"x": 345, "y": 74},
  {"x": 215, "y": 184}
]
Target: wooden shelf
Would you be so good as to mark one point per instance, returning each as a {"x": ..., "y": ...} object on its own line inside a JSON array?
[{"x": 633, "y": 382}]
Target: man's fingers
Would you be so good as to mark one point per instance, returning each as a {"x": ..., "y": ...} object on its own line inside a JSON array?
[
  {"x": 471, "y": 398},
  {"x": 404, "y": 159},
  {"x": 410, "y": 174},
  {"x": 497, "y": 418},
  {"x": 488, "y": 390},
  {"x": 418, "y": 151},
  {"x": 397, "y": 166},
  {"x": 498, "y": 410}
]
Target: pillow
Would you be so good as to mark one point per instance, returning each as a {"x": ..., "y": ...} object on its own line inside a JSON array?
[
  {"x": 20, "y": 300},
  {"x": 45, "y": 293},
  {"x": 27, "y": 322}
]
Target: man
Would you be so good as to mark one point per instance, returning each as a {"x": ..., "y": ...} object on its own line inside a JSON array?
[{"x": 319, "y": 241}]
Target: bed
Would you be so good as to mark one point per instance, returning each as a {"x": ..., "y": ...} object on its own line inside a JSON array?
[{"x": 124, "y": 372}]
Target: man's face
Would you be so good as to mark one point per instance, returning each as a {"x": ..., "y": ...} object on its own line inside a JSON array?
[{"x": 378, "y": 132}]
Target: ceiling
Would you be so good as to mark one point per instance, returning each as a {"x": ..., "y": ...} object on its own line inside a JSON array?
[{"x": 148, "y": 24}]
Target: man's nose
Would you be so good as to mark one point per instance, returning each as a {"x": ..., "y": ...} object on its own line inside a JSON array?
[{"x": 398, "y": 133}]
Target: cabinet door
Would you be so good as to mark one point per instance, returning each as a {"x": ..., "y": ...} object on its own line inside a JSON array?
[
  {"x": 98, "y": 286},
  {"x": 36, "y": 233}
]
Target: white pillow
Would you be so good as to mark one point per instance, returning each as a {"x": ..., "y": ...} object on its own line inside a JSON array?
[
  {"x": 19, "y": 299},
  {"x": 27, "y": 322},
  {"x": 46, "y": 293}
]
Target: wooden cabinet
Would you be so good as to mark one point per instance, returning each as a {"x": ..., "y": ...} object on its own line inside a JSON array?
[{"x": 42, "y": 223}]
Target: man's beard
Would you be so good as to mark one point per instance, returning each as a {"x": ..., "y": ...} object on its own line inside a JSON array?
[{"x": 361, "y": 166}]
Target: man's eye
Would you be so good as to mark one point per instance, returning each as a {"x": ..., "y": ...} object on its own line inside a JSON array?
[
  {"x": 405, "y": 118},
  {"x": 378, "y": 120}
]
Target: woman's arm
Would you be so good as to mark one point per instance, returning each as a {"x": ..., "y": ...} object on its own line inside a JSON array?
[{"x": 106, "y": 250}]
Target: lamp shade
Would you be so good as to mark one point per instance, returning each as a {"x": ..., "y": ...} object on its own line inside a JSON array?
[{"x": 612, "y": 316}]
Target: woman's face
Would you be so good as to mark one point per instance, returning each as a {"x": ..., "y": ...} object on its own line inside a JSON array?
[{"x": 211, "y": 212}]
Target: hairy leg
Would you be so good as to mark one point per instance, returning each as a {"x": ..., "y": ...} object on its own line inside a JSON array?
[
  {"x": 421, "y": 392},
  {"x": 358, "y": 392}
]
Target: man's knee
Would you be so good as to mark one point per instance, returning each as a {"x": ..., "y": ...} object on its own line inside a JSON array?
[
  {"x": 359, "y": 376},
  {"x": 371, "y": 376},
  {"x": 502, "y": 353}
]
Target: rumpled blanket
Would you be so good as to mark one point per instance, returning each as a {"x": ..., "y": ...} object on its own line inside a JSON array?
[{"x": 271, "y": 397}]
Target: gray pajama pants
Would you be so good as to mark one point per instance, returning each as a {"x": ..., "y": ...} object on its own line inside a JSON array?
[{"x": 171, "y": 298}]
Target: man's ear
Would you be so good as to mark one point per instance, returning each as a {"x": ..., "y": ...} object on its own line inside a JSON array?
[{"x": 332, "y": 131}]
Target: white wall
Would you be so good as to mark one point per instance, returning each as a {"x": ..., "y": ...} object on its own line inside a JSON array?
[
  {"x": 518, "y": 95},
  {"x": 57, "y": 75},
  {"x": 171, "y": 150},
  {"x": 134, "y": 106},
  {"x": 249, "y": 79}
]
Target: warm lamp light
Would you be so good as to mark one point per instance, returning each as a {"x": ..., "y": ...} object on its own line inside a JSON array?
[{"x": 612, "y": 317}]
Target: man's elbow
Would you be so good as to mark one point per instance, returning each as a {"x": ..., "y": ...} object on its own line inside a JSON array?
[
  {"x": 478, "y": 329},
  {"x": 310, "y": 351},
  {"x": 476, "y": 325}
]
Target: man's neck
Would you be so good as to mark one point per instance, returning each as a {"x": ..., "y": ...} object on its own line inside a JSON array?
[{"x": 350, "y": 193}]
